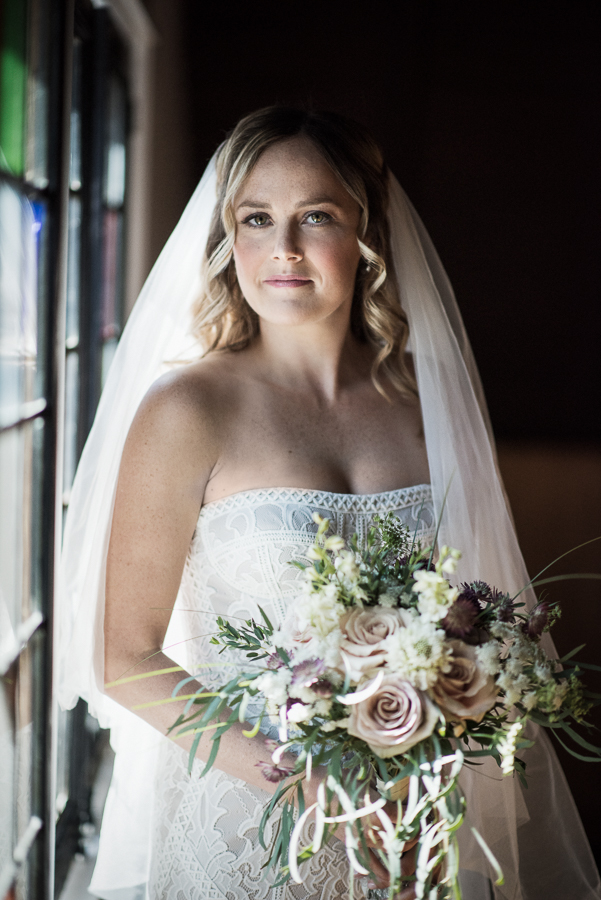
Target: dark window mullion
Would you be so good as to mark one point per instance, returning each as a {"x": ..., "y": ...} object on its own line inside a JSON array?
[
  {"x": 95, "y": 74},
  {"x": 42, "y": 853}
]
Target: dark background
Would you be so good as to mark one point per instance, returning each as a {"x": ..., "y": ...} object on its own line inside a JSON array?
[{"x": 489, "y": 115}]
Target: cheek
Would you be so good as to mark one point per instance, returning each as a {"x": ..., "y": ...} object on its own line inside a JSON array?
[
  {"x": 245, "y": 259},
  {"x": 338, "y": 261}
]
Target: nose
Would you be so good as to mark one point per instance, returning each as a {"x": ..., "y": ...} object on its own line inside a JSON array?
[{"x": 287, "y": 247}]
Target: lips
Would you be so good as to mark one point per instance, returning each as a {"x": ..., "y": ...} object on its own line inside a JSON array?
[{"x": 287, "y": 281}]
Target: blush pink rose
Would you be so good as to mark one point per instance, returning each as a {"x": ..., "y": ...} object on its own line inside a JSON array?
[
  {"x": 466, "y": 691},
  {"x": 395, "y": 718},
  {"x": 363, "y": 634}
]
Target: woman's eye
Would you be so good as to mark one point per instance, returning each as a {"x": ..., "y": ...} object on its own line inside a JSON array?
[
  {"x": 317, "y": 218},
  {"x": 257, "y": 221}
]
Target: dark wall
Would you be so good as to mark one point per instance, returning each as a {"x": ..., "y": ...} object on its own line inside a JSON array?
[{"x": 489, "y": 115}]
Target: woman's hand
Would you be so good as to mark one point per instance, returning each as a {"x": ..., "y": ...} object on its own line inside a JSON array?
[{"x": 380, "y": 877}]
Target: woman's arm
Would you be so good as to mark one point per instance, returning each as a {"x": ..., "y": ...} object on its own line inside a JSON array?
[
  {"x": 172, "y": 447},
  {"x": 170, "y": 452}
]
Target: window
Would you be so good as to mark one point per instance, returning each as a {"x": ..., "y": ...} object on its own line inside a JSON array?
[
  {"x": 72, "y": 257},
  {"x": 99, "y": 118},
  {"x": 32, "y": 143}
]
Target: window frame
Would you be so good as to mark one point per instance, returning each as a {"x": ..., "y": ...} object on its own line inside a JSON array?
[{"x": 35, "y": 845}]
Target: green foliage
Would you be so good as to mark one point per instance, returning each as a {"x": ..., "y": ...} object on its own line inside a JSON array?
[{"x": 383, "y": 571}]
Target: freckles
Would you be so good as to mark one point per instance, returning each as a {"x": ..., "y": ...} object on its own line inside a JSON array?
[{"x": 245, "y": 256}]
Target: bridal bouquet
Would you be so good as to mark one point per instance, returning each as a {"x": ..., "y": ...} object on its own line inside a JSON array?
[{"x": 391, "y": 679}]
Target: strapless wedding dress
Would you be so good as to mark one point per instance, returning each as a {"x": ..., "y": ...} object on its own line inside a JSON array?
[
  {"x": 167, "y": 835},
  {"x": 205, "y": 831}
]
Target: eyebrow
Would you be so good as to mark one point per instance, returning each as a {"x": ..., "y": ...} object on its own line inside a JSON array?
[{"x": 312, "y": 201}]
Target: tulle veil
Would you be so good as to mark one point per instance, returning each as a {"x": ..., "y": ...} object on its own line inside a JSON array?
[{"x": 539, "y": 861}]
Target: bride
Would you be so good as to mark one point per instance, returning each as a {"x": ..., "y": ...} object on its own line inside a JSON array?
[{"x": 327, "y": 371}]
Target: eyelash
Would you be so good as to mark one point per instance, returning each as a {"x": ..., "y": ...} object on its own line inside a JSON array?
[{"x": 248, "y": 219}]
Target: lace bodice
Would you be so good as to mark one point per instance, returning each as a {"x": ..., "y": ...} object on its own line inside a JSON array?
[
  {"x": 241, "y": 551},
  {"x": 205, "y": 843}
]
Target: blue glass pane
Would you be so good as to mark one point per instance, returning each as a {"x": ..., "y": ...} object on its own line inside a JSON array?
[
  {"x": 40, "y": 228},
  {"x": 19, "y": 232}
]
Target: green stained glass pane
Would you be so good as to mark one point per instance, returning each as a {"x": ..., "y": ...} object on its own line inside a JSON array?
[
  {"x": 13, "y": 81},
  {"x": 36, "y": 167}
]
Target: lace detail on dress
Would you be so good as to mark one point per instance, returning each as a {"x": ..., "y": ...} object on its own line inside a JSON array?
[{"x": 205, "y": 842}]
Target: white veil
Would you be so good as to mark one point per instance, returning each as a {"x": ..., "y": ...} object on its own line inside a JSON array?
[{"x": 476, "y": 520}]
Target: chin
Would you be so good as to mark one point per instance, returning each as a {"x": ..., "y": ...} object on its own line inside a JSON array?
[{"x": 290, "y": 312}]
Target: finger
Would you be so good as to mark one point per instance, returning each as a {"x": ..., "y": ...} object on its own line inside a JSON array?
[
  {"x": 409, "y": 861},
  {"x": 407, "y": 893},
  {"x": 378, "y": 871}
]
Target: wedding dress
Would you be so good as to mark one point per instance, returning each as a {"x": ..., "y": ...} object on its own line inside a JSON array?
[{"x": 205, "y": 832}]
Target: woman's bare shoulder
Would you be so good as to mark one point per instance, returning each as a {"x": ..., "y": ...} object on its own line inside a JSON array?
[{"x": 189, "y": 405}]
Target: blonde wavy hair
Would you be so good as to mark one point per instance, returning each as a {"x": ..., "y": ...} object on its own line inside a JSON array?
[{"x": 221, "y": 317}]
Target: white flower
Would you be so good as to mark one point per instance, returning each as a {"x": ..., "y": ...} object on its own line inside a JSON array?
[
  {"x": 322, "y": 707},
  {"x": 387, "y": 600},
  {"x": 329, "y": 726},
  {"x": 530, "y": 700},
  {"x": 346, "y": 565},
  {"x": 435, "y": 594},
  {"x": 522, "y": 648},
  {"x": 339, "y": 723},
  {"x": 507, "y": 748},
  {"x": 334, "y": 543},
  {"x": 543, "y": 672},
  {"x": 302, "y": 693},
  {"x": 502, "y": 630},
  {"x": 488, "y": 655},
  {"x": 298, "y": 712},
  {"x": 274, "y": 685},
  {"x": 418, "y": 652},
  {"x": 513, "y": 688},
  {"x": 515, "y": 667},
  {"x": 319, "y": 612}
]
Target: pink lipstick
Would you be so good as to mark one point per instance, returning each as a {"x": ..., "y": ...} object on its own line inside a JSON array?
[{"x": 287, "y": 281}]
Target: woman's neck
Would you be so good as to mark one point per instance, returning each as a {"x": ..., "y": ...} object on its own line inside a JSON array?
[{"x": 320, "y": 360}]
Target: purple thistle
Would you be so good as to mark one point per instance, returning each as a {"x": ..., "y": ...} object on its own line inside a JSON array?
[
  {"x": 323, "y": 688},
  {"x": 274, "y": 661},
  {"x": 274, "y": 773},
  {"x": 476, "y": 591},
  {"x": 307, "y": 672},
  {"x": 461, "y": 617},
  {"x": 537, "y": 621},
  {"x": 503, "y": 604}
]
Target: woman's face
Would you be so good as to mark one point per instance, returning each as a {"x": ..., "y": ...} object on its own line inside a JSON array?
[{"x": 296, "y": 249}]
